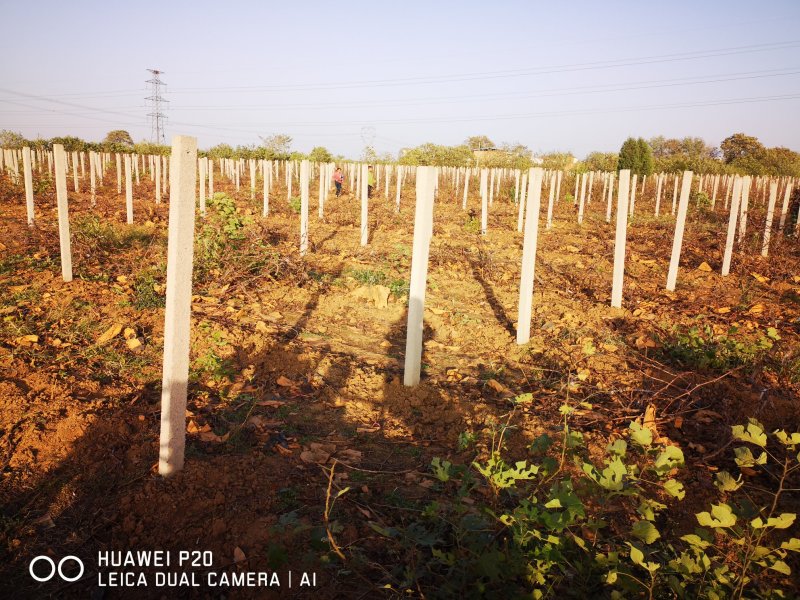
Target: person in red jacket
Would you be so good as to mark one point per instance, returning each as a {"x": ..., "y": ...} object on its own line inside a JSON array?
[{"x": 338, "y": 179}]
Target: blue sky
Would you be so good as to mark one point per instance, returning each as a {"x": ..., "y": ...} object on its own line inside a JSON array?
[{"x": 578, "y": 76}]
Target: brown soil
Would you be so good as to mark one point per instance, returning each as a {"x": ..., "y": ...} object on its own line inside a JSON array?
[{"x": 289, "y": 360}]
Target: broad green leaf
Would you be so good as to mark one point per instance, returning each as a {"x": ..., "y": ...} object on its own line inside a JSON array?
[
  {"x": 671, "y": 457},
  {"x": 783, "y": 521},
  {"x": 674, "y": 488},
  {"x": 793, "y": 544},
  {"x": 648, "y": 508},
  {"x": 695, "y": 540},
  {"x": 722, "y": 516},
  {"x": 788, "y": 440},
  {"x": 646, "y": 531},
  {"x": 781, "y": 567},
  {"x": 524, "y": 398},
  {"x": 618, "y": 447},
  {"x": 745, "y": 458},
  {"x": 637, "y": 556},
  {"x": 726, "y": 483},
  {"x": 641, "y": 435},
  {"x": 760, "y": 552},
  {"x": 757, "y": 523},
  {"x": 611, "y": 577},
  {"x": 554, "y": 503},
  {"x": 754, "y": 433}
]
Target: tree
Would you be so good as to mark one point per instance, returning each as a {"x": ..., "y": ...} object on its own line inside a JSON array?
[
  {"x": 118, "y": 137},
  {"x": 637, "y": 156},
  {"x": 479, "y": 142},
  {"x": 278, "y": 144},
  {"x": 741, "y": 146},
  {"x": 557, "y": 160},
  {"x": 12, "y": 139},
  {"x": 601, "y": 161},
  {"x": 436, "y": 155},
  {"x": 70, "y": 143},
  {"x": 320, "y": 154}
]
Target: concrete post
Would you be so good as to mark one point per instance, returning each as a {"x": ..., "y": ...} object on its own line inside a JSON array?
[
  {"x": 210, "y": 177},
  {"x": 119, "y": 172},
  {"x": 158, "y": 180},
  {"x": 621, "y": 237},
  {"x": 680, "y": 221},
  {"x": 743, "y": 206},
  {"x": 93, "y": 175},
  {"x": 610, "y": 196},
  {"x": 202, "y": 176},
  {"x": 674, "y": 195},
  {"x": 423, "y": 228},
  {"x": 773, "y": 197},
  {"x": 735, "y": 199},
  {"x": 787, "y": 193},
  {"x": 632, "y": 202},
  {"x": 529, "y": 255},
  {"x": 128, "y": 190},
  {"x": 75, "y": 185},
  {"x": 550, "y": 196},
  {"x": 522, "y": 198},
  {"x": 582, "y": 202},
  {"x": 177, "y": 316},
  {"x": 484, "y": 201},
  {"x": 304, "y": 198},
  {"x": 28, "y": 176},
  {"x": 60, "y": 159},
  {"x": 364, "y": 205},
  {"x": 467, "y": 174}
]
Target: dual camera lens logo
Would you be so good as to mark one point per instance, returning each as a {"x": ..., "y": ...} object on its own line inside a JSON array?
[{"x": 53, "y": 568}]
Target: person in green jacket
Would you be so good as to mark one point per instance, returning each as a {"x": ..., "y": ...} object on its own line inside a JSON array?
[{"x": 370, "y": 182}]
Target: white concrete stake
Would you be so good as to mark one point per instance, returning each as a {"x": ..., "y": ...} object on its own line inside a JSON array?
[
  {"x": 210, "y": 177},
  {"x": 529, "y": 255},
  {"x": 680, "y": 222},
  {"x": 521, "y": 207},
  {"x": 610, "y": 197},
  {"x": 674, "y": 195},
  {"x": 737, "y": 194},
  {"x": 364, "y": 205},
  {"x": 92, "y": 175},
  {"x": 484, "y": 201},
  {"x": 466, "y": 188},
  {"x": 773, "y": 197},
  {"x": 551, "y": 194},
  {"x": 75, "y": 172},
  {"x": 620, "y": 240},
  {"x": 177, "y": 317},
  {"x": 304, "y": 194},
  {"x": 158, "y": 180},
  {"x": 267, "y": 181},
  {"x": 128, "y": 190},
  {"x": 632, "y": 202},
  {"x": 119, "y": 172},
  {"x": 60, "y": 160},
  {"x": 786, "y": 195},
  {"x": 28, "y": 175},
  {"x": 581, "y": 203},
  {"x": 202, "y": 176},
  {"x": 400, "y": 173},
  {"x": 423, "y": 227},
  {"x": 743, "y": 206}
]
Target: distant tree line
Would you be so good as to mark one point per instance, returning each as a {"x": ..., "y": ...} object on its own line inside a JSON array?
[{"x": 738, "y": 153}]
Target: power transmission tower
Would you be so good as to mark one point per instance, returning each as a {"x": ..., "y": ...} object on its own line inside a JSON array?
[{"x": 157, "y": 117}]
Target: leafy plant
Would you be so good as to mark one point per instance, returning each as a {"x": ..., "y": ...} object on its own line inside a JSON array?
[{"x": 546, "y": 526}]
